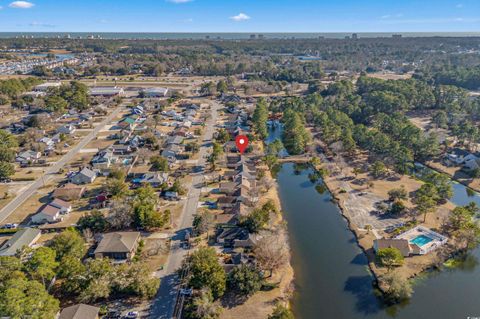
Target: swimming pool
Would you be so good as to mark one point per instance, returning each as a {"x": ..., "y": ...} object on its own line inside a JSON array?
[{"x": 421, "y": 240}]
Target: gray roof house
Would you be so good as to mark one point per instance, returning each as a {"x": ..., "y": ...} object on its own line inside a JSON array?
[
  {"x": 119, "y": 245},
  {"x": 85, "y": 176},
  {"x": 80, "y": 311},
  {"x": 155, "y": 179},
  {"x": 66, "y": 129},
  {"x": 25, "y": 237},
  {"x": 171, "y": 151}
]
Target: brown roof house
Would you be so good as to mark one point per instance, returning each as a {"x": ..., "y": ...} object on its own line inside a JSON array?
[
  {"x": 80, "y": 311},
  {"x": 120, "y": 246},
  {"x": 401, "y": 244},
  {"x": 69, "y": 192}
]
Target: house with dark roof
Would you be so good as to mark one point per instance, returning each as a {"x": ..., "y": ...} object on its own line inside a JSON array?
[
  {"x": 120, "y": 246},
  {"x": 80, "y": 311},
  {"x": 25, "y": 237},
  {"x": 85, "y": 176}
]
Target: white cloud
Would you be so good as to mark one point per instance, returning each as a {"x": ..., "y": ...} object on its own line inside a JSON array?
[
  {"x": 240, "y": 17},
  {"x": 388, "y": 16},
  {"x": 1, "y": 7},
  {"x": 459, "y": 6},
  {"x": 41, "y": 25},
  {"x": 21, "y": 5},
  {"x": 179, "y": 1}
]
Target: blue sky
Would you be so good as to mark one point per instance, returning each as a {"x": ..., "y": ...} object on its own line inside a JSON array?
[{"x": 240, "y": 15}]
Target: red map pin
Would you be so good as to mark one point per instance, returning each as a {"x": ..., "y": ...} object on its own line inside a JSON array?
[{"x": 242, "y": 143}]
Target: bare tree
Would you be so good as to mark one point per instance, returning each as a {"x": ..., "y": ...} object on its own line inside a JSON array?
[
  {"x": 120, "y": 215},
  {"x": 271, "y": 250}
]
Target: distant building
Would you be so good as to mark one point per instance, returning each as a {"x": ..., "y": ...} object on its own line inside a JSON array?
[
  {"x": 396, "y": 36},
  {"x": 354, "y": 36},
  {"x": 118, "y": 246},
  {"x": 26, "y": 237},
  {"x": 80, "y": 311},
  {"x": 46, "y": 86},
  {"x": 106, "y": 91},
  {"x": 155, "y": 92}
]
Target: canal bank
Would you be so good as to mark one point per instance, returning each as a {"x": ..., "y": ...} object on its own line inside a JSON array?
[{"x": 331, "y": 272}]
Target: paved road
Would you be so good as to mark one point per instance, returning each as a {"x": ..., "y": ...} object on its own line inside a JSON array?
[
  {"x": 17, "y": 201},
  {"x": 164, "y": 302}
]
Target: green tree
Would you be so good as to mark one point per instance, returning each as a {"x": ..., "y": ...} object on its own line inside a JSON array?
[
  {"x": 55, "y": 103},
  {"x": 159, "y": 163},
  {"x": 222, "y": 86},
  {"x": 281, "y": 312},
  {"x": 260, "y": 118},
  {"x": 397, "y": 194},
  {"x": 378, "y": 169},
  {"x": 245, "y": 280},
  {"x": 389, "y": 258},
  {"x": 94, "y": 220},
  {"x": 206, "y": 271},
  {"x": 42, "y": 265},
  {"x": 21, "y": 298},
  {"x": 6, "y": 170},
  {"x": 68, "y": 243}
]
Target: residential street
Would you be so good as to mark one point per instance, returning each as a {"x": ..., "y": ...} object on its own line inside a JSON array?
[
  {"x": 164, "y": 303},
  {"x": 17, "y": 201}
]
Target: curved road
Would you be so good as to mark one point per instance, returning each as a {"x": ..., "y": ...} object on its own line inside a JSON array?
[{"x": 21, "y": 198}]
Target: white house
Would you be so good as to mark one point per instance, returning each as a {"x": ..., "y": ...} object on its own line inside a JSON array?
[
  {"x": 155, "y": 92},
  {"x": 48, "y": 214},
  {"x": 28, "y": 156}
]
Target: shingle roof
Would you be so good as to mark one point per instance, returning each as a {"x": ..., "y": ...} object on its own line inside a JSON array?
[
  {"x": 119, "y": 242},
  {"x": 24, "y": 237},
  {"x": 80, "y": 311}
]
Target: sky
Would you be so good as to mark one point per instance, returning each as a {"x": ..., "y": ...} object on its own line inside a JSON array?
[{"x": 240, "y": 16}]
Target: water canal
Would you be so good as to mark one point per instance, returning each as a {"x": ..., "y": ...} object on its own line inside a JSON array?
[{"x": 331, "y": 274}]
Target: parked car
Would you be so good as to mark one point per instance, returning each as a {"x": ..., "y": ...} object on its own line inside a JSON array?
[
  {"x": 9, "y": 226},
  {"x": 186, "y": 291},
  {"x": 132, "y": 315}
]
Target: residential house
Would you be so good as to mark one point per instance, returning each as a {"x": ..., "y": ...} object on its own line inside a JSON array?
[
  {"x": 226, "y": 202},
  {"x": 401, "y": 244},
  {"x": 103, "y": 159},
  {"x": 69, "y": 192},
  {"x": 25, "y": 237},
  {"x": 228, "y": 188},
  {"x": 85, "y": 176},
  {"x": 28, "y": 157},
  {"x": 47, "y": 86},
  {"x": 236, "y": 237},
  {"x": 80, "y": 311},
  {"x": 175, "y": 140},
  {"x": 155, "y": 92},
  {"x": 106, "y": 91},
  {"x": 170, "y": 195},
  {"x": 127, "y": 124},
  {"x": 52, "y": 213},
  {"x": 120, "y": 246},
  {"x": 155, "y": 179},
  {"x": 66, "y": 129},
  {"x": 171, "y": 151}
]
